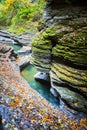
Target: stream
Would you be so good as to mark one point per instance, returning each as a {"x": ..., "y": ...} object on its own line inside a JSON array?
[
  {"x": 28, "y": 74},
  {"x": 15, "y": 47}
]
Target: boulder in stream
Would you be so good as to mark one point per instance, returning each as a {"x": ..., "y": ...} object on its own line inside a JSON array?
[
  {"x": 25, "y": 50},
  {"x": 23, "y": 57},
  {"x": 42, "y": 77}
]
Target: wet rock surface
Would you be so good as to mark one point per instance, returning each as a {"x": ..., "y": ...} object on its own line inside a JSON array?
[
  {"x": 23, "y": 57},
  {"x": 23, "y": 61},
  {"x": 42, "y": 77},
  {"x": 25, "y": 50}
]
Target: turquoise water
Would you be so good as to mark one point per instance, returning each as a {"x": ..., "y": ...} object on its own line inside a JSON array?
[
  {"x": 28, "y": 73},
  {"x": 15, "y": 47}
]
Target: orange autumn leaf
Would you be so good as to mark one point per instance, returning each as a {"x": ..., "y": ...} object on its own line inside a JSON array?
[
  {"x": 46, "y": 119},
  {"x": 12, "y": 104}
]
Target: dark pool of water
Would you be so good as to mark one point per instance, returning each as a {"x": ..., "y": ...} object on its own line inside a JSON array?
[{"x": 28, "y": 73}]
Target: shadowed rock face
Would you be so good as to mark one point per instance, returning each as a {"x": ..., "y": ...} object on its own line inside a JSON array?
[
  {"x": 1, "y": 126},
  {"x": 61, "y": 50},
  {"x": 66, "y": 2}
]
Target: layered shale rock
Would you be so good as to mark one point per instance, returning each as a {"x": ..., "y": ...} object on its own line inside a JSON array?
[{"x": 60, "y": 49}]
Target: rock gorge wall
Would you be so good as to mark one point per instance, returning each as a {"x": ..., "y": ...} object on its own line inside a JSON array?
[{"x": 60, "y": 49}]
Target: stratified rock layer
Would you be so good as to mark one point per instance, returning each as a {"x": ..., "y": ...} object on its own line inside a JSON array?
[{"x": 61, "y": 50}]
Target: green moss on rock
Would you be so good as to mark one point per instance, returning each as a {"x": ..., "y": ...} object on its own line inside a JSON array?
[
  {"x": 68, "y": 42},
  {"x": 71, "y": 75}
]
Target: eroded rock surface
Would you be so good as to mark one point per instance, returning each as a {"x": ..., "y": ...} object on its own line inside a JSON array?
[
  {"x": 23, "y": 58},
  {"x": 23, "y": 39},
  {"x": 61, "y": 50}
]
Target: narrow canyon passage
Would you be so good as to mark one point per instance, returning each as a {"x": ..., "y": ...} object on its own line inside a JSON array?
[{"x": 43, "y": 65}]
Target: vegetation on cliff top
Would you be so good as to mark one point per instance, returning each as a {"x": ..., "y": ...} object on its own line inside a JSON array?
[{"x": 21, "y": 15}]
